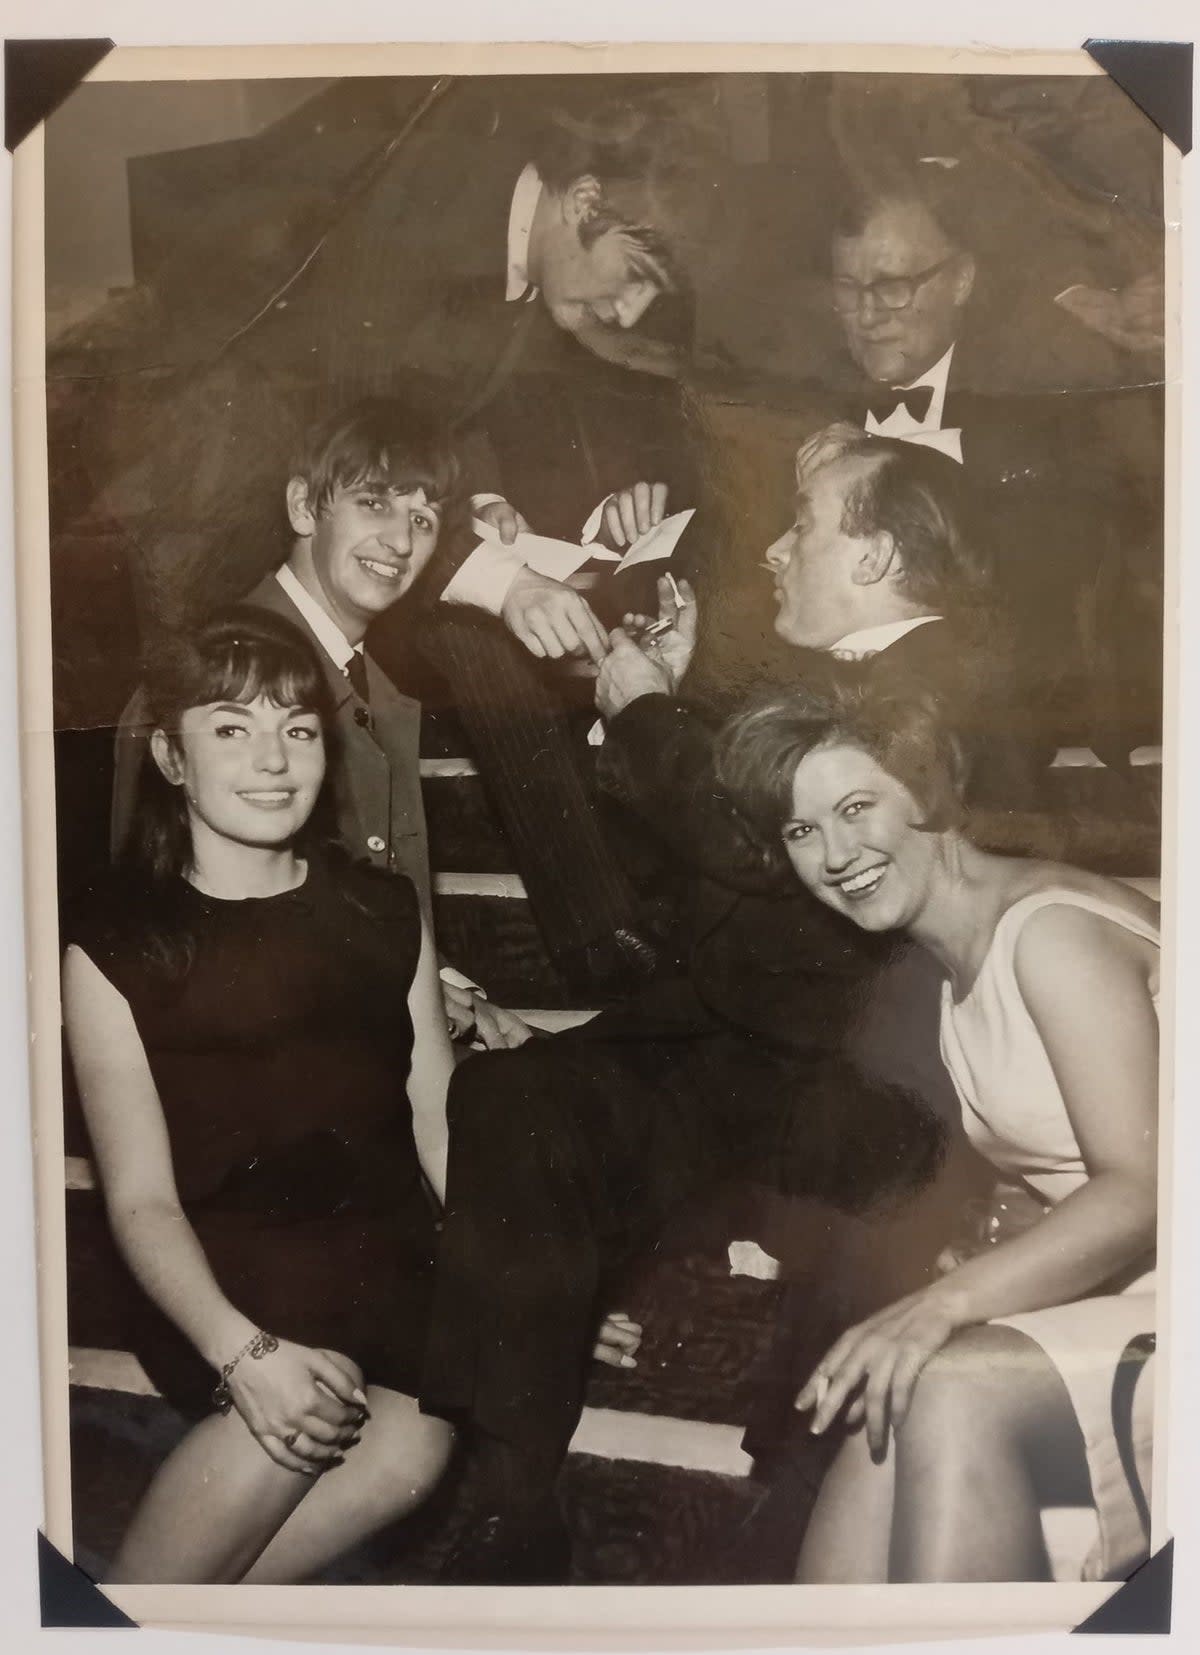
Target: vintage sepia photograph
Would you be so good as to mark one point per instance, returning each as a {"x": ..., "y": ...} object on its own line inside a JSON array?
[{"x": 600, "y": 865}]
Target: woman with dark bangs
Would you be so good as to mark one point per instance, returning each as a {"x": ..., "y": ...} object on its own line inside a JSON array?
[
  {"x": 244, "y": 1010},
  {"x": 1016, "y": 1380}
]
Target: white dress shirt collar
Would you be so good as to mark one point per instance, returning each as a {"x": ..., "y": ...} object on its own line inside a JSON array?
[
  {"x": 869, "y": 640},
  {"x": 936, "y": 377},
  {"x": 928, "y": 432},
  {"x": 526, "y": 195},
  {"x": 322, "y": 626}
]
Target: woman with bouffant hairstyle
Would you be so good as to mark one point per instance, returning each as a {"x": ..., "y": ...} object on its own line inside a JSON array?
[{"x": 996, "y": 1390}]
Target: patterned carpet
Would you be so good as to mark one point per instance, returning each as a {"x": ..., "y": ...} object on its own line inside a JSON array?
[
  {"x": 709, "y": 1355},
  {"x": 632, "y": 1524}
]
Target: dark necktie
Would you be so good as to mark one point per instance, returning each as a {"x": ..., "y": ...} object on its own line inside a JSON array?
[
  {"x": 356, "y": 672},
  {"x": 916, "y": 402}
]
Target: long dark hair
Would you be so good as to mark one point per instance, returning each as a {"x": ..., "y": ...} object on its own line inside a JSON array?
[{"x": 238, "y": 654}]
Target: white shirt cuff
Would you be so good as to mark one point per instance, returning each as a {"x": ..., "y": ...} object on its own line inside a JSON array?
[
  {"x": 479, "y": 501},
  {"x": 592, "y": 527},
  {"x": 456, "y": 979},
  {"x": 483, "y": 580}
]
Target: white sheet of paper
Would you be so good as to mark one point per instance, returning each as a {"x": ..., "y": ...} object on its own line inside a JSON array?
[
  {"x": 557, "y": 559},
  {"x": 660, "y": 541}
]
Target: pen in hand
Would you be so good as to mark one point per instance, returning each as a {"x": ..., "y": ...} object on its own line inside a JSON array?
[{"x": 681, "y": 602}]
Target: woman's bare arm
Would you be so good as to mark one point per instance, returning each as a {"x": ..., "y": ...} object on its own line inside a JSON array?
[
  {"x": 1086, "y": 984},
  {"x": 432, "y": 1066},
  {"x": 298, "y": 1390},
  {"x": 133, "y": 1158}
]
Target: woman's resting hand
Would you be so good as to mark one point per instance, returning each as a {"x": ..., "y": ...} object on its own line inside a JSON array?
[
  {"x": 618, "y": 1341},
  {"x": 471, "y": 1016},
  {"x": 873, "y": 1368},
  {"x": 304, "y": 1406}
]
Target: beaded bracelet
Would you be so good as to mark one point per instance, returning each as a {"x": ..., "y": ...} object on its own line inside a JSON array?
[{"x": 262, "y": 1344}]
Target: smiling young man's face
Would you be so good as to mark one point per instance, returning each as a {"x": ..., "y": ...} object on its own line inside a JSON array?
[
  {"x": 854, "y": 838},
  {"x": 367, "y": 547}
]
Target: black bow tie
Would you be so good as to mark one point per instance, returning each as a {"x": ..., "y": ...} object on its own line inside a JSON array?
[{"x": 916, "y": 402}]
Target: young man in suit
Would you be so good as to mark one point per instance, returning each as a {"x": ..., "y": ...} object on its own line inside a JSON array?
[
  {"x": 525, "y": 280},
  {"x": 372, "y": 490},
  {"x": 739, "y": 1066},
  {"x": 557, "y": 371}
]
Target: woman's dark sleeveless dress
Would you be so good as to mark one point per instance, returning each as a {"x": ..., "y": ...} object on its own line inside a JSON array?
[{"x": 278, "y": 1035}]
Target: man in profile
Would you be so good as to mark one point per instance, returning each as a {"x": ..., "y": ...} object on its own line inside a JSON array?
[
  {"x": 736, "y": 1068},
  {"x": 1058, "y": 502}
]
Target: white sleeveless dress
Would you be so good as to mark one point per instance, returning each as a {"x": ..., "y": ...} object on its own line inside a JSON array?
[{"x": 1014, "y": 1114}]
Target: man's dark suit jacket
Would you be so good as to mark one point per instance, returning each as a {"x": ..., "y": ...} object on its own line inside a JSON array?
[
  {"x": 1067, "y": 491},
  {"x": 761, "y": 952},
  {"x": 405, "y": 297},
  {"x": 1065, "y": 496},
  {"x": 374, "y": 756}
]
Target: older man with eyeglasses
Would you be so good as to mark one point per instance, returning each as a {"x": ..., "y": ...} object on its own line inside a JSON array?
[
  {"x": 1052, "y": 470},
  {"x": 900, "y": 287}
]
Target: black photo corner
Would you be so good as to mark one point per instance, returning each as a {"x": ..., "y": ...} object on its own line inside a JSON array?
[
  {"x": 38, "y": 75},
  {"x": 68, "y": 1596}
]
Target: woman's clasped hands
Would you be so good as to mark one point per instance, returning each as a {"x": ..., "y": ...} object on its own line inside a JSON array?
[
  {"x": 873, "y": 1369},
  {"x": 305, "y": 1407}
]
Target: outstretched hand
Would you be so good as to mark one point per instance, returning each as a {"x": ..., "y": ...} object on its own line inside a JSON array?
[
  {"x": 628, "y": 673},
  {"x": 674, "y": 647},
  {"x": 552, "y": 620},
  {"x": 641, "y": 663},
  {"x": 873, "y": 1368}
]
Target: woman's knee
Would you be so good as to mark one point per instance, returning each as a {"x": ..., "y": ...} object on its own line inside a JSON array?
[
  {"x": 969, "y": 1396},
  {"x": 419, "y": 1445}
]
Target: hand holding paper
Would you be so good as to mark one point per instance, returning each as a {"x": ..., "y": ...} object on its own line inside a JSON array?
[
  {"x": 628, "y": 514},
  {"x": 560, "y": 559},
  {"x": 660, "y": 541}
]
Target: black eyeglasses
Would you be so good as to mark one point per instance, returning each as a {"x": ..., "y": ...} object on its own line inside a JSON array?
[{"x": 892, "y": 292}]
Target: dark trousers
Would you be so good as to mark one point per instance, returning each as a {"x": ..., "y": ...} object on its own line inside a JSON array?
[
  {"x": 566, "y": 1158},
  {"x": 531, "y": 751}
]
